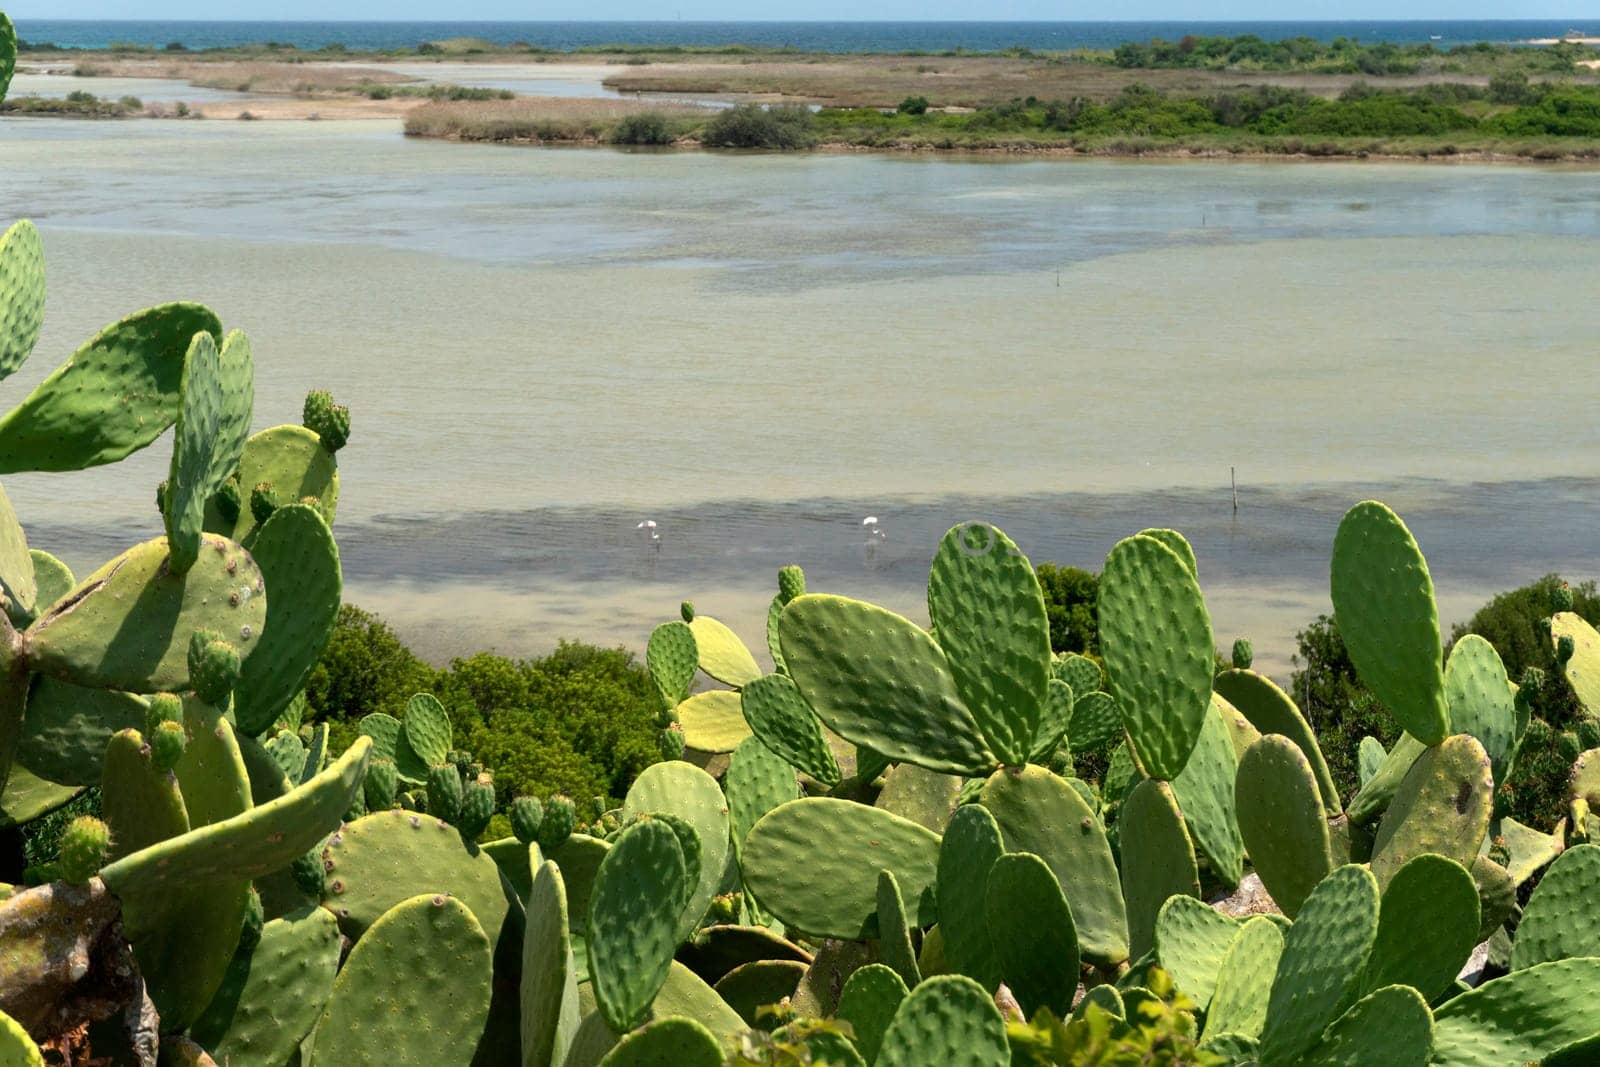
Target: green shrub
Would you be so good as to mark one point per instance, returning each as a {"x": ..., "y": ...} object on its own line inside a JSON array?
[
  {"x": 752, "y": 126},
  {"x": 1069, "y": 600},
  {"x": 645, "y": 128},
  {"x": 913, "y": 105},
  {"x": 364, "y": 669}
]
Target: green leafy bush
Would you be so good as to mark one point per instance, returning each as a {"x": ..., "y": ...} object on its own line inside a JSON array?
[
  {"x": 1069, "y": 601},
  {"x": 752, "y": 126},
  {"x": 644, "y": 128}
]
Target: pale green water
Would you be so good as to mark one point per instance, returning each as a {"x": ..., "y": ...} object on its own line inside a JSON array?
[{"x": 543, "y": 347}]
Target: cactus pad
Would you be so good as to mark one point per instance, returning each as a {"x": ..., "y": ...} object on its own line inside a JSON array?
[
  {"x": 1583, "y": 667},
  {"x": 672, "y": 657},
  {"x": 986, "y": 606},
  {"x": 757, "y": 781},
  {"x": 293, "y": 463},
  {"x": 1158, "y": 859},
  {"x": 639, "y": 895},
  {"x": 894, "y": 930},
  {"x": 299, "y": 563},
  {"x": 667, "y": 1041},
  {"x": 839, "y": 898},
  {"x": 549, "y": 988},
  {"x": 1192, "y": 941},
  {"x": 189, "y": 477},
  {"x": 1041, "y": 813},
  {"x": 967, "y": 852},
  {"x": 713, "y": 721},
  {"x": 1427, "y": 927},
  {"x": 868, "y": 1003},
  {"x": 1244, "y": 980},
  {"x": 693, "y": 796},
  {"x": 389, "y": 1010},
  {"x": 1156, "y": 638},
  {"x": 1442, "y": 806},
  {"x": 1205, "y": 794},
  {"x": 1391, "y": 1026},
  {"x": 127, "y": 626},
  {"x": 21, "y": 277},
  {"x": 1034, "y": 939},
  {"x": 19, "y": 589},
  {"x": 116, "y": 394},
  {"x": 426, "y": 729},
  {"x": 65, "y": 732},
  {"x": 16, "y": 1047},
  {"x": 1559, "y": 921},
  {"x": 1282, "y": 820},
  {"x": 722, "y": 655},
  {"x": 1272, "y": 711},
  {"x": 1521, "y": 1017},
  {"x": 949, "y": 1020},
  {"x": 785, "y": 723},
  {"x": 1324, "y": 954},
  {"x": 1095, "y": 721},
  {"x": 1479, "y": 696},
  {"x": 879, "y": 680},
  {"x": 1384, "y": 605}
]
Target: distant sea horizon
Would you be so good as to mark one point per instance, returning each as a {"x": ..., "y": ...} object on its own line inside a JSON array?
[{"x": 842, "y": 37}]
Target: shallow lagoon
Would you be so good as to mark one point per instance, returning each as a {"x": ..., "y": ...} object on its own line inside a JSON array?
[{"x": 542, "y": 348}]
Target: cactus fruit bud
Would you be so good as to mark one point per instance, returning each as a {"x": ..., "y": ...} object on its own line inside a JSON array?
[
  {"x": 383, "y": 780},
  {"x": 444, "y": 792},
  {"x": 164, "y": 707},
  {"x": 161, "y": 497},
  {"x": 85, "y": 845},
  {"x": 213, "y": 667},
  {"x": 686, "y": 609},
  {"x": 791, "y": 583},
  {"x": 1533, "y": 680},
  {"x": 1564, "y": 649},
  {"x": 329, "y": 421},
  {"x": 255, "y": 917},
  {"x": 724, "y": 909},
  {"x": 598, "y": 806},
  {"x": 1588, "y": 734},
  {"x": 228, "y": 501},
  {"x": 309, "y": 874},
  {"x": 166, "y": 746},
  {"x": 526, "y": 815},
  {"x": 559, "y": 819},
  {"x": 1244, "y": 653},
  {"x": 1568, "y": 745},
  {"x": 477, "y": 808},
  {"x": 1561, "y": 598},
  {"x": 263, "y": 501},
  {"x": 665, "y": 717},
  {"x": 672, "y": 742}
]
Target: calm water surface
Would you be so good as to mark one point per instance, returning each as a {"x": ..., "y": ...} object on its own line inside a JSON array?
[{"x": 543, "y": 348}]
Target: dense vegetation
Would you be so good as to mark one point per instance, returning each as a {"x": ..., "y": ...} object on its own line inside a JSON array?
[{"x": 1342, "y": 55}]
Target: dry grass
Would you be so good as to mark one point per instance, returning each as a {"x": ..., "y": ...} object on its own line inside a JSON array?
[
  {"x": 537, "y": 119},
  {"x": 963, "y": 81},
  {"x": 243, "y": 76}
]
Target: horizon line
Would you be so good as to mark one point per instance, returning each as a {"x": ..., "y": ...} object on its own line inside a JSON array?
[{"x": 885, "y": 22}]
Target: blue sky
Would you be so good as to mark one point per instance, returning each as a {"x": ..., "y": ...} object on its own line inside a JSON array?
[{"x": 793, "y": 9}]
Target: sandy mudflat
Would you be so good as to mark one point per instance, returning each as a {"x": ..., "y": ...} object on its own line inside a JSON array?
[{"x": 290, "y": 108}]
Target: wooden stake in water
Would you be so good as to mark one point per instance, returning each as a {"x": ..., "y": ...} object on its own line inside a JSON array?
[{"x": 1234, "y": 478}]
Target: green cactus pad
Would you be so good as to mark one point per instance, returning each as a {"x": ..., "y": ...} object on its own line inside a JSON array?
[
  {"x": 722, "y": 655},
  {"x": 26, "y": 796},
  {"x": 258, "y": 842},
  {"x": 1272, "y": 711},
  {"x": 1324, "y": 955},
  {"x": 16, "y": 1047},
  {"x": 1051, "y": 731},
  {"x": 426, "y": 729},
  {"x": 21, "y": 278},
  {"x": 1204, "y": 790},
  {"x": 293, "y": 462},
  {"x": 142, "y": 805},
  {"x": 1104, "y": 997},
  {"x": 880, "y": 681},
  {"x": 639, "y": 894},
  {"x": 774, "y": 647},
  {"x": 387, "y": 1006},
  {"x": 381, "y": 859},
  {"x": 127, "y": 626},
  {"x": 212, "y": 774},
  {"x": 8, "y": 64},
  {"x": 949, "y": 1020},
  {"x": 785, "y": 723},
  {"x": 1442, "y": 806},
  {"x": 967, "y": 852},
  {"x": 1156, "y": 638},
  {"x": 921, "y": 795},
  {"x": 1192, "y": 940},
  {"x": 116, "y": 394},
  {"x": 839, "y": 897},
  {"x": 1081, "y": 674},
  {"x": 1391, "y": 1026},
  {"x": 289, "y": 753},
  {"x": 1384, "y": 605},
  {"x": 65, "y": 732},
  {"x": 549, "y": 990},
  {"x": 664, "y": 1042},
  {"x": 1158, "y": 859},
  {"x": 1034, "y": 938},
  {"x": 1497, "y": 895},
  {"x": 52, "y": 578},
  {"x": 1370, "y": 757},
  {"x": 986, "y": 606},
  {"x": 189, "y": 480},
  {"x": 713, "y": 721},
  {"x": 758, "y": 984},
  {"x": 19, "y": 591},
  {"x": 1244, "y": 980},
  {"x": 1427, "y": 927},
  {"x": 1095, "y": 722},
  {"x": 894, "y": 933},
  {"x": 273, "y": 992},
  {"x": 1241, "y": 731},
  {"x": 1377, "y": 791},
  {"x": 1519, "y": 1018},
  {"x": 1583, "y": 669},
  {"x": 1479, "y": 696},
  {"x": 1560, "y": 921},
  {"x": 299, "y": 562},
  {"x": 757, "y": 781},
  {"x": 1178, "y": 543},
  {"x": 1282, "y": 820},
  {"x": 578, "y": 858},
  {"x": 868, "y": 1002},
  {"x": 672, "y": 657},
  {"x": 693, "y": 796},
  {"x": 716, "y": 950},
  {"x": 1040, "y": 813},
  {"x": 384, "y": 730}
]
